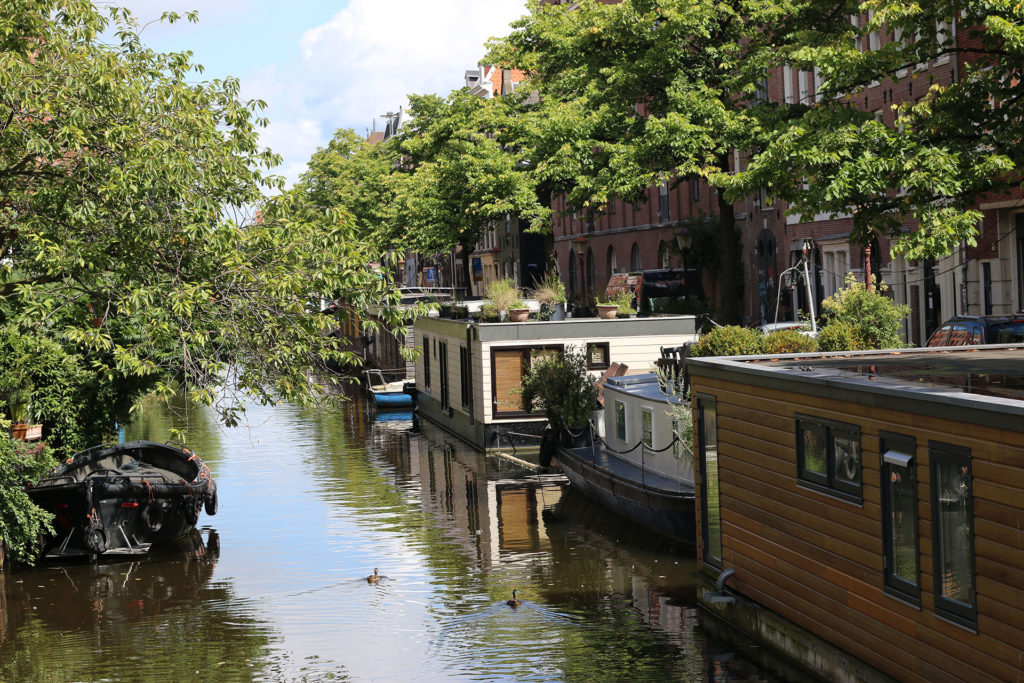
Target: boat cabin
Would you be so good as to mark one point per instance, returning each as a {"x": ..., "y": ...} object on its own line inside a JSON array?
[
  {"x": 469, "y": 374},
  {"x": 864, "y": 512}
]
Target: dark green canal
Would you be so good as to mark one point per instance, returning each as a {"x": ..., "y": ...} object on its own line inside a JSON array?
[{"x": 273, "y": 587}]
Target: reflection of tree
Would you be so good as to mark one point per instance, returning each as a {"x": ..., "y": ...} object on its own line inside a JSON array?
[
  {"x": 156, "y": 421},
  {"x": 159, "y": 619}
]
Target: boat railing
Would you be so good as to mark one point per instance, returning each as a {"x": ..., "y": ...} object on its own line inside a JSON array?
[{"x": 644, "y": 451}]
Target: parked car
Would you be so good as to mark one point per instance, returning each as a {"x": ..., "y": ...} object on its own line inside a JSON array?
[
  {"x": 968, "y": 330},
  {"x": 663, "y": 291},
  {"x": 799, "y": 325}
]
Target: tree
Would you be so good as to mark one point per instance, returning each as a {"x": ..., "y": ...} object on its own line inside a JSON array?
[
  {"x": 948, "y": 146},
  {"x": 641, "y": 91},
  {"x": 462, "y": 162},
  {"x": 136, "y": 246}
]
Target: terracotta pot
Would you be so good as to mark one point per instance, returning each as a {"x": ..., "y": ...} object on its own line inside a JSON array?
[
  {"x": 607, "y": 311},
  {"x": 518, "y": 315},
  {"x": 26, "y": 432}
]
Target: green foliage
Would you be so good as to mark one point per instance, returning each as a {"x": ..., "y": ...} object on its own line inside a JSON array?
[
  {"x": 729, "y": 340},
  {"x": 562, "y": 387},
  {"x": 504, "y": 294},
  {"x": 623, "y": 299},
  {"x": 789, "y": 341},
  {"x": 839, "y": 336},
  {"x": 873, "y": 320},
  {"x": 550, "y": 290},
  {"x": 21, "y": 522}
]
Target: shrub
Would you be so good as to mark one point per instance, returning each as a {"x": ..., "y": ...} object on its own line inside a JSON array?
[
  {"x": 730, "y": 340},
  {"x": 562, "y": 388},
  {"x": 789, "y": 341},
  {"x": 550, "y": 290},
  {"x": 504, "y": 295},
  {"x": 874, "y": 320},
  {"x": 838, "y": 335},
  {"x": 21, "y": 521}
]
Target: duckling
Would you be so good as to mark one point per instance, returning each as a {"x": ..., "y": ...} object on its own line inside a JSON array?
[
  {"x": 514, "y": 602},
  {"x": 374, "y": 577}
]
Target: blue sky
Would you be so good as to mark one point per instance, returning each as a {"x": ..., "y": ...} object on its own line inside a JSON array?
[{"x": 321, "y": 66}]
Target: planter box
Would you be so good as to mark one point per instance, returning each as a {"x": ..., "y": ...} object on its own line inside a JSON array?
[
  {"x": 518, "y": 315},
  {"x": 608, "y": 311},
  {"x": 26, "y": 432}
]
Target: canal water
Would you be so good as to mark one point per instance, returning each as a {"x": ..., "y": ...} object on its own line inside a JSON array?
[{"x": 312, "y": 501}]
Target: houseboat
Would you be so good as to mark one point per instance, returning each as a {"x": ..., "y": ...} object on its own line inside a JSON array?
[
  {"x": 864, "y": 512},
  {"x": 469, "y": 373},
  {"x": 639, "y": 467}
]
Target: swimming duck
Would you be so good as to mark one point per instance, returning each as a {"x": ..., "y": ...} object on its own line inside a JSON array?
[
  {"x": 374, "y": 577},
  {"x": 514, "y": 602}
]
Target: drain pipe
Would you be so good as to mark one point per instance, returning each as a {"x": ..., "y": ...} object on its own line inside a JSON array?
[{"x": 719, "y": 596}]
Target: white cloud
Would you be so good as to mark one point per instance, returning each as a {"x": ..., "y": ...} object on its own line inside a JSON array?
[
  {"x": 295, "y": 141},
  {"x": 370, "y": 55}
]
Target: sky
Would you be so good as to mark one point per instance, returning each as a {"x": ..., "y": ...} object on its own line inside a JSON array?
[{"x": 321, "y": 66}]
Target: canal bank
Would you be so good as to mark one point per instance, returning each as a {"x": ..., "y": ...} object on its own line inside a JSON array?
[{"x": 310, "y": 502}]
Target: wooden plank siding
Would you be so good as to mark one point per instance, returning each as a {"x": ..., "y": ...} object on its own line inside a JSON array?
[{"x": 817, "y": 559}]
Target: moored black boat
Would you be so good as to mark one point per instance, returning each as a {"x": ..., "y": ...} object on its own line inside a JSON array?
[{"x": 120, "y": 499}]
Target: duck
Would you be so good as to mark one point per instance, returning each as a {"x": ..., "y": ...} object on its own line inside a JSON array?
[
  {"x": 374, "y": 577},
  {"x": 514, "y": 602}
]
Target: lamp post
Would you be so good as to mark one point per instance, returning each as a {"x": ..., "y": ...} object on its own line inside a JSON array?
[
  {"x": 683, "y": 241},
  {"x": 579, "y": 245}
]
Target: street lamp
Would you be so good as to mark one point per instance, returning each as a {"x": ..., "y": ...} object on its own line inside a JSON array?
[
  {"x": 579, "y": 245},
  {"x": 683, "y": 241}
]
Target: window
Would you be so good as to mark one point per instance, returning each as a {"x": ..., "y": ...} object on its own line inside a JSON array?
[
  {"x": 953, "y": 533},
  {"x": 572, "y": 272},
  {"x": 597, "y": 356},
  {"x": 591, "y": 271},
  {"x": 899, "y": 517},
  {"x": 805, "y": 93},
  {"x": 664, "y": 255},
  {"x": 426, "y": 362},
  {"x": 620, "y": 421},
  {"x": 464, "y": 371},
  {"x": 508, "y": 367},
  {"x": 443, "y": 370},
  {"x": 634, "y": 258},
  {"x": 611, "y": 207},
  {"x": 647, "y": 427},
  {"x": 663, "y": 212},
  {"x": 874, "y": 39},
  {"x": 612, "y": 265},
  {"x": 696, "y": 190},
  {"x": 857, "y": 39},
  {"x": 828, "y": 456},
  {"x": 787, "y": 85},
  {"x": 711, "y": 512}
]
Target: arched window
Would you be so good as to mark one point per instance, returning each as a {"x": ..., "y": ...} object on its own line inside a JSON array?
[
  {"x": 664, "y": 255},
  {"x": 572, "y": 272},
  {"x": 611, "y": 260},
  {"x": 591, "y": 271},
  {"x": 634, "y": 258}
]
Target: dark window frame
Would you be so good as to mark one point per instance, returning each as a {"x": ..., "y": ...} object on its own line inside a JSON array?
[
  {"x": 960, "y": 613},
  {"x": 831, "y": 484},
  {"x": 897, "y": 455},
  {"x": 505, "y": 414},
  {"x": 705, "y": 401},
  {"x": 607, "y": 356},
  {"x": 464, "y": 371},
  {"x": 620, "y": 434},
  {"x": 426, "y": 361},
  {"x": 442, "y": 370}
]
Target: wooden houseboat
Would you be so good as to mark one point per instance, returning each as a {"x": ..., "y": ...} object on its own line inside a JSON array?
[
  {"x": 637, "y": 467},
  {"x": 469, "y": 373},
  {"x": 864, "y": 512}
]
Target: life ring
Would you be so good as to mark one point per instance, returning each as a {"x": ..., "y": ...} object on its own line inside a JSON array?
[
  {"x": 210, "y": 500},
  {"x": 95, "y": 539},
  {"x": 191, "y": 507},
  {"x": 153, "y": 516}
]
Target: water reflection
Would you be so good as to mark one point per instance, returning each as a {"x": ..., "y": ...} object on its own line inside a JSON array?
[{"x": 310, "y": 502}]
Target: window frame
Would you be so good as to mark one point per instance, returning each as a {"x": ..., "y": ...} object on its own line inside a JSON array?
[
  {"x": 830, "y": 484},
  {"x": 442, "y": 371},
  {"x": 894, "y": 449},
  {"x": 505, "y": 414},
  {"x": 426, "y": 362},
  {"x": 591, "y": 365},
  {"x": 955, "y": 611},
  {"x": 704, "y": 402},
  {"x": 647, "y": 427},
  {"x": 464, "y": 371},
  {"x": 620, "y": 425}
]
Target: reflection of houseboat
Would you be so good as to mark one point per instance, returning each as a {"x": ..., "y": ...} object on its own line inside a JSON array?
[
  {"x": 469, "y": 374},
  {"x": 874, "y": 500},
  {"x": 640, "y": 468}
]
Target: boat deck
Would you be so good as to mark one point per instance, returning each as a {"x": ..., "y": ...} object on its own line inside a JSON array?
[{"x": 605, "y": 459}]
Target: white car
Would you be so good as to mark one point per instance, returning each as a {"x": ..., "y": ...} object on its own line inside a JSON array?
[{"x": 803, "y": 327}]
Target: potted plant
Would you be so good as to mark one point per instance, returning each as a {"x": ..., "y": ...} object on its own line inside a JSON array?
[
  {"x": 607, "y": 309},
  {"x": 561, "y": 386},
  {"x": 506, "y": 298},
  {"x": 550, "y": 293},
  {"x": 624, "y": 303}
]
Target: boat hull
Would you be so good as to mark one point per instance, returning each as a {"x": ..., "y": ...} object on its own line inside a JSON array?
[
  {"x": 392, "y": 399},
  {"x": 670, "y": 513},
  {"x": 122, "y": 499}
]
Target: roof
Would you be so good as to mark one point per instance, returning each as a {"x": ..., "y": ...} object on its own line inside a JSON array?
[
  {"x": 984, "y": 383},
  {"x": 644, "y": 386}
]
